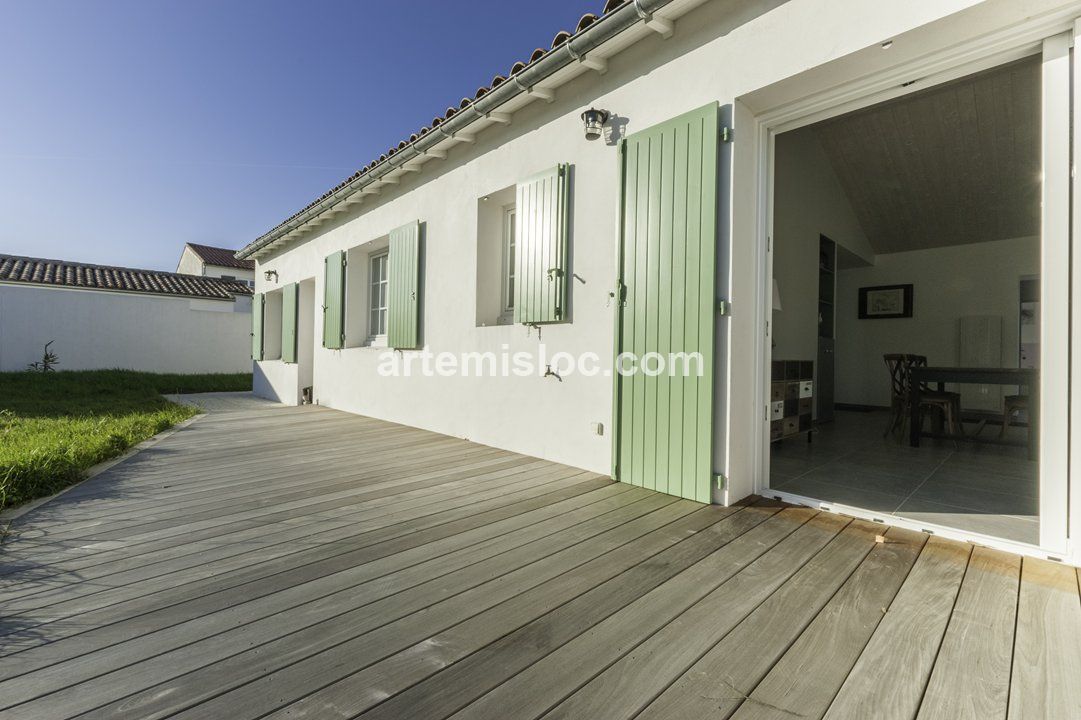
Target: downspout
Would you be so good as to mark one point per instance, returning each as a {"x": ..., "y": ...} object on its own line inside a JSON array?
[{"x": 573, "y": 50}]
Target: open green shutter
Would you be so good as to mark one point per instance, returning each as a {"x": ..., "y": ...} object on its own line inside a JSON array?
[
  {"x": 257, "y": 326},
  {"x": 289, "y": 322},
  {"x": 540, "y": 292},
  {"x": 403, "y": 291},
  {"x": 334, "y": 301}
]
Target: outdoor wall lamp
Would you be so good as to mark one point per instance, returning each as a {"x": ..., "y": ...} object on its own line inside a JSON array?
[
  {"x": 267, "y": 275},
  {"x": 594, "y": 121}
]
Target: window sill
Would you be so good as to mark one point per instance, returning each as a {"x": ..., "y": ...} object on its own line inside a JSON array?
[{"x": 378, "y": 342}]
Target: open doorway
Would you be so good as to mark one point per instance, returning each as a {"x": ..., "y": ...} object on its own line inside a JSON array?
[{"x": 906, "y": 314}]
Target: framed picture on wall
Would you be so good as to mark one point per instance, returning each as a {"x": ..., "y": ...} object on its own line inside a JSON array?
[{"x": 885, "y": 301}]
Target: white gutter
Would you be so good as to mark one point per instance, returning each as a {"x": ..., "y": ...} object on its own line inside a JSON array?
[{"x": 574, "y": 50}]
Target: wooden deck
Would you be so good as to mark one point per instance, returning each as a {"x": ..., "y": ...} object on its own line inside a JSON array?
[{"x": 269, "y": 562}]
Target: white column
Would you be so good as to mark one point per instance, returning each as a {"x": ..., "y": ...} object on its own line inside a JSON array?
[
  {"x": 1075, "y": 369},
  {"x": 1055, "y": 294}
]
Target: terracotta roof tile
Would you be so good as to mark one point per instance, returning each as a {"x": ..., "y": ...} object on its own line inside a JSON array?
[
  {"x": 561, "y": 37},
  {"x": 38, "y": 271},
  {"x": 222, "y": 257}
]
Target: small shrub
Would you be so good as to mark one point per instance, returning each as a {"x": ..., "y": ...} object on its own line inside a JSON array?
[{"x": 48, "y": 362}]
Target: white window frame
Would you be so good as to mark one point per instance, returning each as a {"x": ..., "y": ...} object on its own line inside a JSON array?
[
  {"x": 507, "y": 274},
  {"x": 374, "y": 310}
]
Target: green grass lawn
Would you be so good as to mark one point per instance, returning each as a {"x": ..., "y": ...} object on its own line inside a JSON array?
[{"x": 53, "y": 426}]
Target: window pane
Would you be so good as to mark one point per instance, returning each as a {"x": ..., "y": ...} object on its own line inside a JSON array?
[
  {"x": 509, "y": 247},
  {"x": 378, "y": 295}
]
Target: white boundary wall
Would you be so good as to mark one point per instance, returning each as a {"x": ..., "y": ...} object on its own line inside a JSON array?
[{"x": 94, "y": 329}]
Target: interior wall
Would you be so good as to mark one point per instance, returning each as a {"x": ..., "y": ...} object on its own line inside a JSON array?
[
  {"x": 808, "y": 201},
  {"x": 949, "y": 283},
  {"x": 490, "y": 213}
]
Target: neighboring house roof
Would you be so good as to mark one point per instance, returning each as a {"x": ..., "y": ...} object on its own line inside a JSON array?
[
  {"x": 221, "y": 257},
  {"x": 639, "y": 10},
  {"x": 59, "y": 273}
]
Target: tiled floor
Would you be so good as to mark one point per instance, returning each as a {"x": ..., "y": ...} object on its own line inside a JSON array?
[{"x": 987, "y": 489}]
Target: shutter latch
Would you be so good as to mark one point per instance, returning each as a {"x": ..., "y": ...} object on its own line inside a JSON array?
[{"x": 724, "y": 308}]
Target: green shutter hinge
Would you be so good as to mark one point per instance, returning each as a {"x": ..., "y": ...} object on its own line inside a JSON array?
[
  {"x": 726, "y": 134},
  {"x": 719, "y": 481},
  {"x": 724, "y": 308}
]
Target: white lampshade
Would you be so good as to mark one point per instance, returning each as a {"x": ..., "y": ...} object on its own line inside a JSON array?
[{"x": 776, "y": 297}]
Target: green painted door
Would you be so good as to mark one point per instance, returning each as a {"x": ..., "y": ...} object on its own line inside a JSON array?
[
  {"x": 403, "y": 287},
  {"x": 667, "y": 275},
  {"x": 257, "y": 326},
  {"x": 290, "y": 294},
  {"x": 334, "y": 300}
]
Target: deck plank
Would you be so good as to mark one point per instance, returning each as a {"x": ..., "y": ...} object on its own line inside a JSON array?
[
  {"x": 1047, "y": 650},
  {"x": 371, "y": 509},
  {"x": 228, "y": 586},
  {"x": 311, "y": 660},
  {"x": 425, "y": 562},
  {"x": 807, "y": 677},
  {"x": 387, "y": 591},
  {"x": 971, "y": 679},
  {"x": 539, "y": 619},
  {"x": 371, "y": 515},
  {"x": 747, "y": 653},
  {"x": 67, "y": 602},
  {"x": 535, "y": 689},
  {"x": 798, "y": 565},
  {"x": 891, "y": 674}
]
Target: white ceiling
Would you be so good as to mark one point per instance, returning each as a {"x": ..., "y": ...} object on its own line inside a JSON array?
[{"x": 955, "y": 164}]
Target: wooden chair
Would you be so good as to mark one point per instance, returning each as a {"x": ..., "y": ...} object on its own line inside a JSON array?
[
  {"x": 1010, "y": 405},
  {"x": 948, "y": 404}
]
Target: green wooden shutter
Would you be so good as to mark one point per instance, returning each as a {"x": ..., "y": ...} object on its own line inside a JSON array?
[
  {"x": 257, "y": 326},
  {"x": 289, "y": 322},
  {"x": 668, "y": 228},
  {"x": 403, "y": 290},
  {"x": 540, "y": 291},
  {"x": 334, "y": 301}
]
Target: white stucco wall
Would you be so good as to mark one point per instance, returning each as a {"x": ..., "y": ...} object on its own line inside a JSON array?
[
  {"x": 92, "y": 330},
  {"x": 190, "y": 263},
  {"x": 719, "y": 52},
  {"x": 218, "y": 271}
]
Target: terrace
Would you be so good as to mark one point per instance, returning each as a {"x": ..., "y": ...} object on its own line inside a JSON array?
[{"x": 271, "y": 562}]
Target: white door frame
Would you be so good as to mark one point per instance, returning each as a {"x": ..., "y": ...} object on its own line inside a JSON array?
[{"x": 1051, "y": 35}]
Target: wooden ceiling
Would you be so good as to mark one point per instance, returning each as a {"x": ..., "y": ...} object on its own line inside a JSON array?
[{"x": 958, "y": 163}]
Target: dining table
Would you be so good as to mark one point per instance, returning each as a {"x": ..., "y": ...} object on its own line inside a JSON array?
[{"x": 940, "y": 375}]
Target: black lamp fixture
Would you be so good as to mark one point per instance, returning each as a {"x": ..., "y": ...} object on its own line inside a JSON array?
[
  {"x": 594, "y": 121},
  {"x": 267, "y": 275}
]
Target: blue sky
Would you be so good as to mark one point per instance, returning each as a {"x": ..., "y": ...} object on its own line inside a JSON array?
[{"x": 129, "y": 127}]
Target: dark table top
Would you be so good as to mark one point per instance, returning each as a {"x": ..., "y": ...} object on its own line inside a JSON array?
[{"x": 981, "y": 376}]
